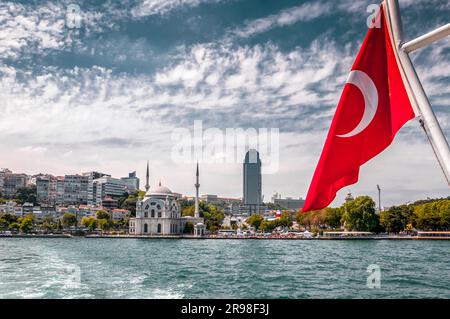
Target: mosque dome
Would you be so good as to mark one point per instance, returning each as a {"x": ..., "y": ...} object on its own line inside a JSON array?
[{"x": 158, "y": 191}]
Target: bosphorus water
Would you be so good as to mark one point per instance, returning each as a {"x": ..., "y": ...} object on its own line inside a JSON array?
[{"x": 161, "y": 268}]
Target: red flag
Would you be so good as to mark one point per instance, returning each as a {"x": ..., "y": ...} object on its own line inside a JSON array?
[{"x": 374, "y": 105}]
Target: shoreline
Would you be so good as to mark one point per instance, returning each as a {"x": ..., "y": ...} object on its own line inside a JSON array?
[{"x": 68, "y": 236}]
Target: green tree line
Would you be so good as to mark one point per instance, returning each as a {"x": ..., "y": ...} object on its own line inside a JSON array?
[{"x": 361, "y": 215}]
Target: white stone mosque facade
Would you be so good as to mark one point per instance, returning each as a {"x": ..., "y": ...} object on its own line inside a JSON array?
[{"x": 159, "y": 213}]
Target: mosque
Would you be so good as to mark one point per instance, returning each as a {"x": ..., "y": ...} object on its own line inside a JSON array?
[{"x": 159, "y": 212}]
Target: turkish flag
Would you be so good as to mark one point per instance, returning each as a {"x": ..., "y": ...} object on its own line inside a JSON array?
[{"x": 374, "y": 105}]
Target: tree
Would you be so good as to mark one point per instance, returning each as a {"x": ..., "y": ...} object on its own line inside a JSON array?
[
  {"x": 59, "y": 226},
  {"x": 188, "y": 228},
  {"x": 188, "y": 211},
  {"x": 48, "y": 224},
  {"x": 101, "y": 214},
  {"x": 433, "y": 215},
  {"x": 313, "y": 219},
  {"x": 333, "y": 217},
  {"x": 14, "y": 226},
  {"x": 5, "y": 220},
  {"x": 427, "y": 216},
  {"x": 89, "y": 222},
  {"x": 69, "y": 219},
  {"x": 396, "y": 218},
  {"x": 27, "y": 195},
  {"x": 360, "y": 214},
  {"x": 185, "y": 203},
  {"x": 128, "y": 201},
  {"x": 213, "y": 216},
  {"x": 269, "y": 226},
  {"x": 103, "y": 224},
  {"x": 255, "y": 220},
  {"x": 26, "y": 223},
  {"x": 285, "y": 220}
]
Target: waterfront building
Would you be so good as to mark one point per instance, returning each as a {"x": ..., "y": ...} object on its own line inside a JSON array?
[
  {"x": 132, "y": 181},
  {"x": 288, "y": 203},
  {"x": 75, "y": 189},
  {"x": 10, "y": 207},
  {"x": 46, "y": 189},
  {"x": 234, "y": 220},
  {"x": 159, "y": 213},
  {"x": 252, "y": 188},
  {"x": 119, "y": 214},
  {"x": 12, "y": 183}
]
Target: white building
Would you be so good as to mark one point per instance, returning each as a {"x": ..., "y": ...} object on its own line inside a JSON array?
[
  {"x": 119, "y": 214},
  {"x": 159, "y": 213}
]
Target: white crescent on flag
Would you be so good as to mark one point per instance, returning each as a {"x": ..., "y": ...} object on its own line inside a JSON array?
[{"x": 365, "y": 84}]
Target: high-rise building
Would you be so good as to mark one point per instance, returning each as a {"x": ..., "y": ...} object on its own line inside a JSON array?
[
  {"x": 108, "y": 187},
  {"x": 132, "y": 181},
  {"x": 12, "y": 183},
  {"x": 59, "y": 190},
  {"x": 92, "y": 190},
  {"x": 3, "y": 172},
  {"x": 252, "y": 181},
  {"x": 46, "y": 189},
  {"x": 76, "y": 189}
]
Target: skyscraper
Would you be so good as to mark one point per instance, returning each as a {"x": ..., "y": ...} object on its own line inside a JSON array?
[{"x": 252, "y": 181}]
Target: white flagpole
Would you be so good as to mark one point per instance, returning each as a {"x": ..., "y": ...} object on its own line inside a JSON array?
[{"x": 429, "y": 121}]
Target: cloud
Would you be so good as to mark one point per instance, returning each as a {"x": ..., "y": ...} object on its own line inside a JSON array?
[
  {"x": 304, "y": 12},
  {"x": 23, "y": 28},
  {"x": 160, "y": 7}
]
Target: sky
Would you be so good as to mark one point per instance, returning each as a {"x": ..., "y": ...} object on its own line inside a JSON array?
[{"x": 103, "y": 86}]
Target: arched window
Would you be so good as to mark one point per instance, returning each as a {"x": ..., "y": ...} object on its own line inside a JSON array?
[
  {"x": 145, "y": 228},
  {"x": 158, "y": 206},
  {"x": 145, "y": 214},
  {"x": 159, "y": 214},
  {"x": 159, "y": 228},
  {"x": 146, "y": 207},
  {"x": 153, "y": 213}
]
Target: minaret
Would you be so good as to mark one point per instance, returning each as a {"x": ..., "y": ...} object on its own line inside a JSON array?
[
  {"x": 147, "y": 185},
  {"x": 197, "y": 185}
]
